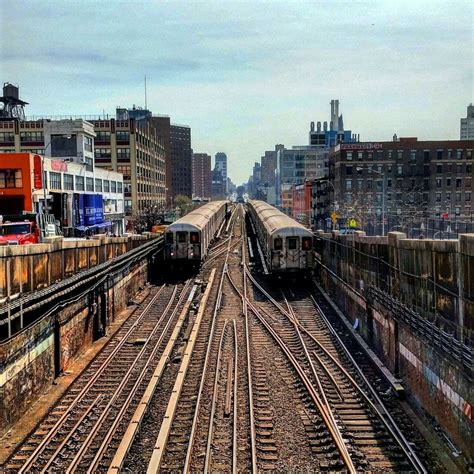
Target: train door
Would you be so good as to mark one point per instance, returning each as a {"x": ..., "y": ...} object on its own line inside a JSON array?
[
  {"x": 292, "y": 252},
  {"x": 182, "y": 245}
]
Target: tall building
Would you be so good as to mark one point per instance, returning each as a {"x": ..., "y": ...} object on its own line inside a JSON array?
[
  {"x": 467, "y": 124},
  {"x": 217, "y": 186},
  {"x": 181, "y": 160},
  {"x": 162, "y": 124},
  {"x": 202, "y": 175},
  {"x": 221, "y": 166}
]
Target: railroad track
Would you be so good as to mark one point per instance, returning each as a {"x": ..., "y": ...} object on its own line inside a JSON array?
[
  {"x": 92, "y": 410},
  {"x": 355, "y": 413}
]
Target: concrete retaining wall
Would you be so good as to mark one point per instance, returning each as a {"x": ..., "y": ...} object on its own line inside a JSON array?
[
  {"x": 414, "y": 303},
  {"x": 31, "y": 360}
]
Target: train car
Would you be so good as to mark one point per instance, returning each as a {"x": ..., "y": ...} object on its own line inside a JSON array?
[
  {"x": 187, "y": 240},
  {"x": 287, "y": 246}
]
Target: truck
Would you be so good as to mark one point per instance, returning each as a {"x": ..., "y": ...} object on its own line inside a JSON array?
[{"x": 26, "y": 229}]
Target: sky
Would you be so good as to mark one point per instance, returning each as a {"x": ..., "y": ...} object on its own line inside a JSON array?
[{"x": 247, "y": 75}]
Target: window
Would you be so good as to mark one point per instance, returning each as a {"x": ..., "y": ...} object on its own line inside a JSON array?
[
  {"x": 102, "y": 153},
  {"x": 448, "y": 196},
  {"x": 181, "y": 237},
  {"x": 348, "y": 184},
  {"x": 54, "y": 180},
  {"x": 369, "y": 184},
  {"x": 102, "y": 135},
  {"x": 360, "y": 183},
  {"x": 459, "y": 168},
  {"x": 459, "y": 154},
  {"x": 79, "y": 183},
  {"x": 426, "y": 155},
  {"x": 349, "y": 170},
  {"x": 399, "y": 169},
  {"x": 469, "y": 169},
  {"x": 89, "y": 184},
  {"x": 31, "y": 137},
  {"x": 389, "y": 154},
  {"x": 106, "y": 186},
  {"x": 349, "y": 155},
  {"x": 123, "y": 135},
  {"x": 169, "y": 237},
  {"x": 68, "y": 182},
  {"x": 399, "y": 154},
  {"x": 458, "y": 182},
  {"x": 194, "y": 237},
  {"x": 292, "y": 243},
  {"x": 448, "y": 182},
  {"x": 439, "y": 182},
  {"x": 306, "y": 243},
  {"x": 123, "y": 154},
  {"x": 88, "y": 143},
  {"x": 458, "y": 197},
  {"x": 389, "y": 183},
  {"x": 450, "y": 153},
  {"x": 449, "y": 168},
  {"x": 113, "y": 186},
  {"x": 438, "y": 197},
  {"x": 11, "y": 178},
  {"x": 98, "y": 185},
  {"x": 7, "y": 137},
  {"x": 360, "y": 155},
  {"x": 119, "y": 187},
  {"x": 278, "y": 244},
  {"x": 439, "y": 168},
  {"x": 413, "y": 155},
  {"x": 439, "y": 154},
  {"x": 468, "y": 196}
]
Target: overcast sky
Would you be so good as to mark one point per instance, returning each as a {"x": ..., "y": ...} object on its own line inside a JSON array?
[{"x": 247, "y": 75}]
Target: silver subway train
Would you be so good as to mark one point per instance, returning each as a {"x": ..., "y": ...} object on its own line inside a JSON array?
[
  {"x": 187, "y": 240},
  {"x": 287, "y": 246}
]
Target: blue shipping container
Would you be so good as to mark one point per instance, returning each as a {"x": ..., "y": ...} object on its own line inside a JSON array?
[
  {"x": 99, "y": 209},
  {"x": 89, "y": 209}
]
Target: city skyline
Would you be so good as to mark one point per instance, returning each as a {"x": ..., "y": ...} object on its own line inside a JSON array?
[{"x": 248, "y": 76}]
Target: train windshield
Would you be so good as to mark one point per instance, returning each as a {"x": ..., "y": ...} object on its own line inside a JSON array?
[
  {"x": 181, "y": 237},
  {"x": 292, "y": 243},
  {"x": 278, "y": 244},
  {"x": 306, "y": 243},
  {"x": 169, "y": 237},
  {"x": 194, "y": 237}
]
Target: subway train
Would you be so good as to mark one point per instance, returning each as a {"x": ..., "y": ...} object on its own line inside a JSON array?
[
  {"x": 287, "y": 246},
  {"x": 187, "y": 240}
]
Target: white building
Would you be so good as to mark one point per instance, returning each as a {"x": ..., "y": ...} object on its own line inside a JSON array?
[
  {"x": 69, "y": 190},
  {"x": 467, "y": 124}
]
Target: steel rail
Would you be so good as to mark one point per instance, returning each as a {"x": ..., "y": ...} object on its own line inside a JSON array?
[
  {"x": 95, "y": 428},
  {"x": 234, "y": 427},
  {"x": 40, "y": 448},
  {"x": 187, "y": 462},
  {"x": 305, "y": 380},
  {"x": 392, "y": 427},
  {"x": 137, "y": 418},
  {"x": 385, "y": 416},
  {"x": 118, "y": 418}
]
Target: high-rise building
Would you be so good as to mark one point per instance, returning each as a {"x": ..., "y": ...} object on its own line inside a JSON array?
[
  {"x": 221, "y": 166},
  {"x": 202, "y": 175},
  {"x": 162, "y": 124},
  {"x": 181, "y": 160},
  {"x": 467, "y": 124}
]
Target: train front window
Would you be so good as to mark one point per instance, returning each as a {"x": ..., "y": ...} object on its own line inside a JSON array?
[
  {"x": 181, "y": 237},
  {"x": 292, "y": 243},
  {"x": 169, "y": 238},
  {"x": 278, "y": 244},
  {"x": 194, "y": 237},
  {"x": 306, "y": 243}
]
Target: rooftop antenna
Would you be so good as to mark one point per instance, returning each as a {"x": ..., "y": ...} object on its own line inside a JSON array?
[{"x": 146, "y": 108}]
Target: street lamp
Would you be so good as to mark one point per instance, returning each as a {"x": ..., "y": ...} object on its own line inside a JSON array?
[
  {"x": 68, "y": 137},
  {"x": 371, "y": 170}
]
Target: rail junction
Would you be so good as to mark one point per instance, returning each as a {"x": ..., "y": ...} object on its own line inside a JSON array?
[{"x": 229, "y": 371}]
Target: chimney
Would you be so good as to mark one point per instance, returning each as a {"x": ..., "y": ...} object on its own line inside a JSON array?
[
  {"x": 319, "y": 126},
  {"x": 325, "y": 126}
]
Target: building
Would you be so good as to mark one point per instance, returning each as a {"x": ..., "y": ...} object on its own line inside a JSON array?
[
  {"x": 162, "y": 125},
  {"x": 302, "y": 203},
  {"x": 202, "y": 175},
  {"x": 218, "y": 185},
  {"x": 125, "y": 146},
  {"x": 409, "y": 181},
  {"x": 181, "y": 161},
  {"x": 220, "y": 165},
  {"x": 467, "y": 124},
  {"x": 81, "y": 200}
]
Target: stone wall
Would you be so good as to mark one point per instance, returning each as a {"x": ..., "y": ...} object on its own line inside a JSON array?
[
  {"x": 31, "y": 359},
  {"x": 413, "y": 300},
  {"x": 28, "y": 268}
]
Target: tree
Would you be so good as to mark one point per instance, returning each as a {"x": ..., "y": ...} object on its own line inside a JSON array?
[{"x": 181, "y": 200}]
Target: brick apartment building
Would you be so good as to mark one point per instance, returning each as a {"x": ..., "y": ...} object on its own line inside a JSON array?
[
  {"x": 202, "y": 175},
  {"x": 423, "y": 180}
]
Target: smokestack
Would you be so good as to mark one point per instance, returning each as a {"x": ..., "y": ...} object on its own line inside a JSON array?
[
  {"x": 312, "y": 126},
  {"x": 325, "y": 125},
  {"x": 331, "y": 125},
  {"x": 319, "y": 126}
]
